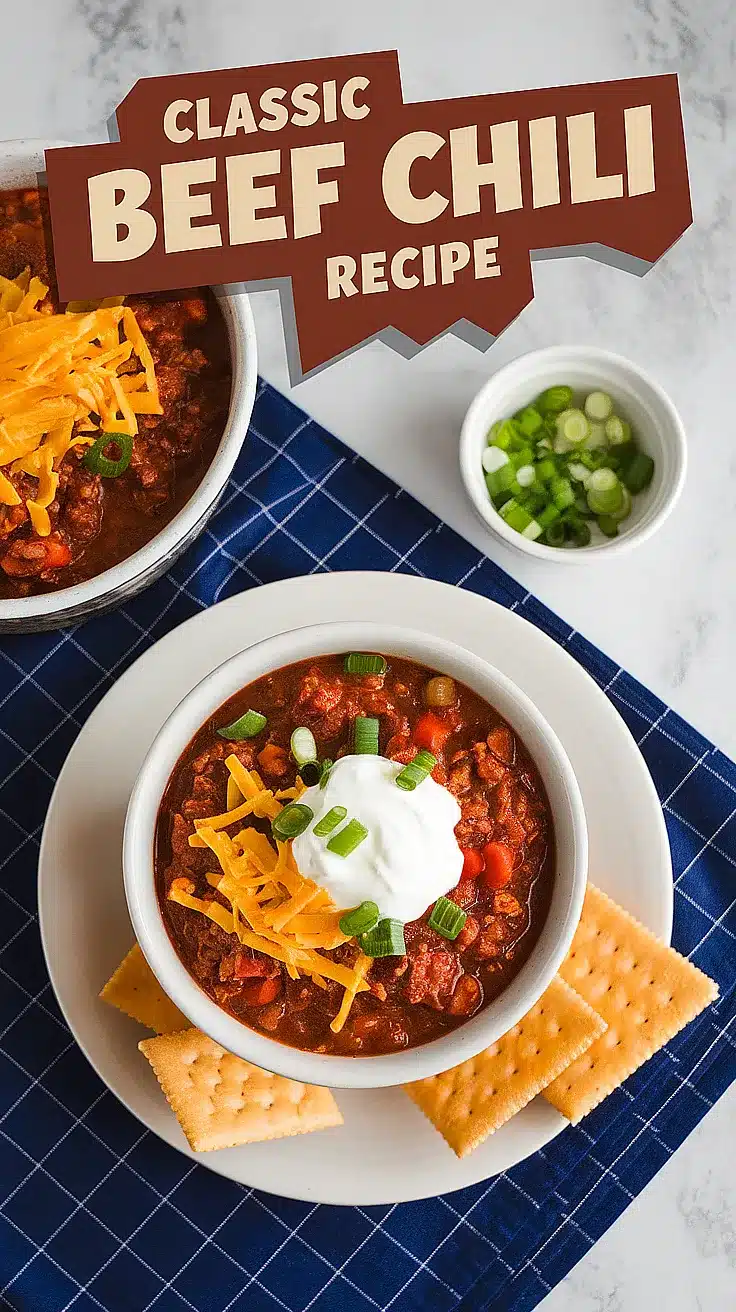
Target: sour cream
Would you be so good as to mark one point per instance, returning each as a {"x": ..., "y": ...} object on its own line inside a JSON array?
[{"x": 411, "y": 855}]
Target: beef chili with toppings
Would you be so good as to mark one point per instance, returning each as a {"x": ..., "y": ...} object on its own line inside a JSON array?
[
  {"x": 98, "y": 519},
  {"x": 432, "y": 982}
]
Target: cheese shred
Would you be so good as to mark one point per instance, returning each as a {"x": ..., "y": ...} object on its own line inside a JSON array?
[
  {"x": 60, "y": 386},
  {"x": 274, "y": 909}
]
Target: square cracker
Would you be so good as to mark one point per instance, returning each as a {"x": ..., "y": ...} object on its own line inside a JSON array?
[
  {"x": 221, "y": 1101},
  {"x": 135, "y": 990},
  {"x": 469, "y": 1102},
  {"x": 646, "y": 992}
]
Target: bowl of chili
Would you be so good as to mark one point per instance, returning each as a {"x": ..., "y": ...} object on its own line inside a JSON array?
[
  {"x": 444, "y": 976},
  {"x": 134, "y": 462}
]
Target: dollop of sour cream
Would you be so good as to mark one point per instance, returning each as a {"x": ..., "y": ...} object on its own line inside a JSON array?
[{"x": 411, "y": 855}]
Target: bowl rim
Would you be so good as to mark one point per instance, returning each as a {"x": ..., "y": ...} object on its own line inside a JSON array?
[
  {"x": 473, "y": 479},
  {"x": 67, "y": 603},
  {"x": 138, "y": 861}
]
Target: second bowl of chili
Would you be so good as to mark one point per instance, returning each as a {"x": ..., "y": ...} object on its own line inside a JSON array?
[
  {"x": 442, "y": 976},
  {"x": 103, "y": 518}
]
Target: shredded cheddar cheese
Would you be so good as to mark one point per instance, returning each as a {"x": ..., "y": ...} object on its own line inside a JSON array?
[
  {"x": 60, "y": 385},
  {"x": 274, "y": 909}
]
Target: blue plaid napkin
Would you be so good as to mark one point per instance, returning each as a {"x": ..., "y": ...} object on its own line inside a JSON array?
[{"x": 97, "y": 1213}]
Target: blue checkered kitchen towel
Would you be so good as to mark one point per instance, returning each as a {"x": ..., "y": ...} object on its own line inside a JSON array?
[{"x": 96, "y": 1214}]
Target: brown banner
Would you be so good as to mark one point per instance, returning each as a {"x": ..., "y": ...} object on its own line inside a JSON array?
[{"x": 378, "y": 218}]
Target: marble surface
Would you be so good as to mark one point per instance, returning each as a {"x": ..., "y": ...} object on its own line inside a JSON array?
[{"x": 668, "y": 611}]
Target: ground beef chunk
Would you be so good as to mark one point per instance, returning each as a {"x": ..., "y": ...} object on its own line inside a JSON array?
[{"x": 433, "y": 975}]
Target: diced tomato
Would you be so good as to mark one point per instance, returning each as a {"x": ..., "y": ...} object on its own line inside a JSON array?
[
  {"x": 57, "y": 553},
  {"x": 246, "y": 967},
  {"x": 431, "y": 733},
  {"x": 257, "y": 993},
  {"x": 273, "y": 760},
  {"x": 499, "y": 864},
  {"x": 472, "y": 862}
]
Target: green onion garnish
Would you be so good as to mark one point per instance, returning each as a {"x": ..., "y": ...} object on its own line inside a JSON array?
[
  {"x": 447, "y": 918},
  {"x": 293, "y": 820},
  {"x": 416, "y": 771},
  {"x": 358, "y": 662},
  {"x": 365, "y": 728},
  {"x": 639, "y": 472},
  {"x": 247, "y": 726},
  {"x": 538, "y": 465},
  {"x": 555, "y": 400},
  {"x": 348, "y": 838},
  {"x": 310, "y": 773},
  {"x": 330, "y": 821},
  {"x": 386, "y": 940},
  {"x": 360, "y": 920},
  {"x": 96, "y": 460},
  {"x": 604, "y": 492},
  {"x": 303, "y": 746},
  {"x": 327, "y": 765}
]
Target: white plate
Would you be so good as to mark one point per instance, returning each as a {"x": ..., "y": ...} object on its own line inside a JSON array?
[{"x": 386, "y": 1151}]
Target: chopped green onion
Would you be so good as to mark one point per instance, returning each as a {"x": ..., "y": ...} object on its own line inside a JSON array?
[
  {"x": 554, "y": 400},
  {"x": 358, "y": 662},
  {"x": 386, "y": 940},
  {"x": 327, "y": 765},
  {"x": 561, "y": 462},
  {"x": 507, "y": 436},
  {"x": 573, "y": 426},
  {"x": 247, "y": 726},
  {"x": 330, "y": 821},
  {"x": 596, "y": 438},
  {"x": 515, "y": 515},
  {"x": 493, "y": 459},
  {"x": 624, "y": 509},
  {"x": 447, "y": 918},
  {"x": 416, "y": 771},
  {"x": 617, "y": 431},
  {"x": 548, "y": 516},
  {"x": 348, "y": 838},
  {"x": 529, "y": 420},
  {"x": 546, "y": 470},
  {"x": 96, "y": 460},
  {"x": 608, "y": 526},
  {"x": 293, "y": 820},
  {"x": 523, "y": 456},
  {"x": 639, "y": 472},
  {"x": 502, "y": 480},
  {"x": 561, "y": 492},
  {"x": 555, "y": 534},
  {"x": 365, "y": 730},
  {"x": 579, "y": 531},
  {"x": 303, "y": 746},
  {"x": 532, "y": 531},
  {"x": 578, "y": 472},
  {"x": 598, "y": 406},
  {"x": 361, "y": 920},
  {"x": 310, "y": 773},
  {"x": 604, "y": 492}
]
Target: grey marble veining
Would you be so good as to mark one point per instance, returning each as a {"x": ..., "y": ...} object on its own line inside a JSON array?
[{"x": 668, "y": 612}]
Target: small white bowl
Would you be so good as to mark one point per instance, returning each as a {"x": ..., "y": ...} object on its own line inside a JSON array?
[
  {"x": 20, "y": 164},
  {"x": 571, "y": 841},
  {"x": 638, "y": 398}
]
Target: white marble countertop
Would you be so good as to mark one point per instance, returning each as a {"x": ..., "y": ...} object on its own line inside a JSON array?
[{"x": 666, "y": 612}]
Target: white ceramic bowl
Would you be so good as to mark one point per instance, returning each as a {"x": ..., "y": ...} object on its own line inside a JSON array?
[
  {"x": 639, "y": 398},
  {"x": 20, "y": 164},
  {"x": 569, "y": 879}
]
